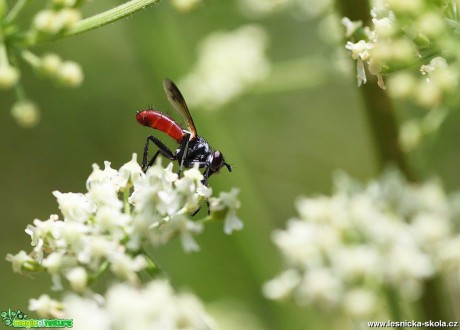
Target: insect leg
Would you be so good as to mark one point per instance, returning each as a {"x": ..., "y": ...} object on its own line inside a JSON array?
[
  {"x": 199, "y": 208},
  {"x": 162, "y": 149},
  {"x": 183, "y": 151}
]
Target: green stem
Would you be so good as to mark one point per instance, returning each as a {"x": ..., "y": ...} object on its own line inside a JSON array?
[
  {"x": 3, "y": 54},
  {"x": 393, "y": 304},
  {"x": 126, "y": 202},
  {"x": 31, "y": 58},
  {"x": 14, "y": 11},
  {"x": 101, "y": 19},
  {"x": 378, "y": 106}
]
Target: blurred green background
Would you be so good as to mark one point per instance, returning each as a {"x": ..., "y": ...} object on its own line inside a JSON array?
[{"x": 283, "y": 141}]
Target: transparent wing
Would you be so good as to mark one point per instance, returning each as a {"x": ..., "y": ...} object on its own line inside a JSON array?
[{"x": 178, "y": 102}]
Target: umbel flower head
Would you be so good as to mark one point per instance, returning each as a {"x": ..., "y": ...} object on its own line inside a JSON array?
[
  {"x": 414, "y": 44},
  {"x": 153, "y": 306},
  {"x": 107, "y": 228},
  {"x": 344, "y": 251}
]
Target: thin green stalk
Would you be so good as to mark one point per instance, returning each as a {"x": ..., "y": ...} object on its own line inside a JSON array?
[
  {"x": 394, "y": 304},
  {"x": 126, "y": 202},
  {"x": 14, "y": 11},
  {"x": 101, "y": 19}
]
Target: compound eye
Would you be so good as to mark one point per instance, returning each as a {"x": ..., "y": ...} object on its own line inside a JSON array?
[{"x": 217, "y": 160}]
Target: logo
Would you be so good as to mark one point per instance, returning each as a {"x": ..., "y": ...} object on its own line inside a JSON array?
[{"x": 18, "y": 319}]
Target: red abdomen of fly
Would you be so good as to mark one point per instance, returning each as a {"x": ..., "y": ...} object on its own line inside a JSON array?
[{"x": 158, "y": 120}]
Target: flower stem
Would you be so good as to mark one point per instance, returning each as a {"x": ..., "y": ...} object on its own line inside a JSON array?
[
  {"x": 14, "y": 11},
  {"x": 101, "y": 19},
  {"x": 126, "y": 201}
]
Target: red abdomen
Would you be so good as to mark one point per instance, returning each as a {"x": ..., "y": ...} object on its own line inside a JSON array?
[{"x": 161, "y": 122}]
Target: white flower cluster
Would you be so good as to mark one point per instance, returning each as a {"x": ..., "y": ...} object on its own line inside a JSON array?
[
  {"x": 155, "y": 306},
  {"x": 415, "y": 41},
  {"x": 59, "y": 16},
  {"x": 108, "y": 227},
  {"x": 228, "y": 64},
  {"x": 344, "y": 251}
]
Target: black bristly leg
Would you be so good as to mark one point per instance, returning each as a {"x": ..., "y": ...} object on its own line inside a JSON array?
[
  {"x": 199, "y": 208},
  {"x": 183, "y": 151},
  {"x": 162, "y": 149},
  {"x": 205, "y": 182}
]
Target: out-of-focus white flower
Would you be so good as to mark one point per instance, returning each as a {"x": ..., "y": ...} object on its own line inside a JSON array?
[
  {"x": 50, "y": 64},
  {"x": 350, "y": 26},
  {"x": 78, "y": 308},
  {"x": 348, "y": 248},
  {"x": 320, "y": 286},
  {"x": 25, "y": 113},
  {"x": 46, "y": 307},
  {"x": 282, "y": 286},
  {"x": 78, "y": 279},
  {"x": 185, "y": 5},
  {"x": 53, "y": 21},
  {"x": 65, "y": 3},
  {"x": 155, "y": 306},
  {"x": 360, "y": 304},
  {"x": 126, "y": 267},
  {"x": 410, "y": 135},
  {"x": 70, "y": 74},
  {"x": 9, "y": 76},
  {"x": 256, "y": 8},
  {"x": 228, "y": 64}
]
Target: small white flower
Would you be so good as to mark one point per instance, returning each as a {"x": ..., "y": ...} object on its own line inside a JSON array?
[
  {"x": 56, "y": 262},
  {"x": 104, "y": 194},
  {"x": 95, "y": 249},
  {"x": 9, "y": 76},
  {"x": 45, "y": 21},
  {"x": 350, "y": 26},
  {"x": 111, "y": 220},
  {"x": 70, "y": 74},
  {"x": 320, "y": 286},
  {"x": 25, "y": 113},
  {"x": 18, "y": 260},
  {"x": 130, "y": 172},
  {"x": 281, "y": 286},
  {"x": 360, "y": 303},
  {"x": 78, "y": 308},
  {"x": 78, "y": 278},
  {"x": 74, "y": 207},
  {"x": 228, "y": 201},
  {"x": 108, "y": 175},
  {"x": 65, "y": 3},
  {"x": 126, "y": 267},
  {"x": 46, "y": 307},
  {"x": 384, "y": 27},
  {"x": 180, "y": 224},
  {"x": 185, "y": 5},
  {"x": 359, "y": 50},
  {"x": 50, "y": 64},
  {"x": 410, "y": 135},
  {"x": 67, "y": 17}
]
